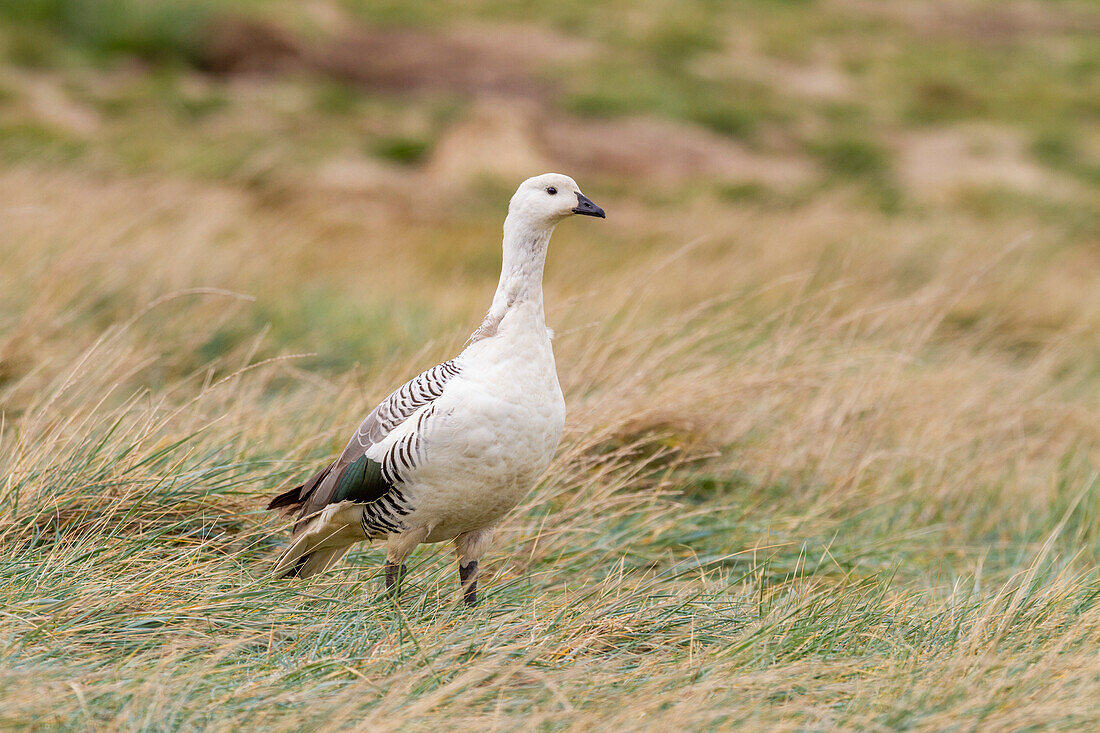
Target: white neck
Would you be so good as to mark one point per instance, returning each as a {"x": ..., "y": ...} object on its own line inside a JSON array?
[{"x": 520, "y": 273}]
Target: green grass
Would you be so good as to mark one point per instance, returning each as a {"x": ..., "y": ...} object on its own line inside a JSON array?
[
  {"x": 28, "y": 140},
  {"x": 735, "y": 108},
  {"x": 852, "y": 158},
  {"x": 162, "y": 31},
  {"x": 339, "y": 332},
  {"x": 403, "y": 150},
  {"x": 1059, "y": 151}
]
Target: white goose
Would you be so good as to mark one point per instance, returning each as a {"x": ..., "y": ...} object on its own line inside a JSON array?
[{"x": 454, "y": 449}]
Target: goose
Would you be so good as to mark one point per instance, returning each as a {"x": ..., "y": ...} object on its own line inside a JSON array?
[{"x": 451, "y": 451}]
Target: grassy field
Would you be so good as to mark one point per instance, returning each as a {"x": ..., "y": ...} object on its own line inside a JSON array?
[{"x": 832, "y": 363}]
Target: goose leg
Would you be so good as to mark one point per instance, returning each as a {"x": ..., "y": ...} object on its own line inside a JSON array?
[
  {"x": 467, "y": 578},
  {"x": 394, "y": 574},
  {"x": 399, "y": 547},
  {"x": 469, "y": 547}
]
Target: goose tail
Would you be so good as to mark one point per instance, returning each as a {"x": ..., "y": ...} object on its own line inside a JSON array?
[{"x": 321, "y": 542}]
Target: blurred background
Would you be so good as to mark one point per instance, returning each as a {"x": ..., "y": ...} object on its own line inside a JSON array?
[
  {"x": 348, "y": 162},
  {"x": 845, "y": 307}
]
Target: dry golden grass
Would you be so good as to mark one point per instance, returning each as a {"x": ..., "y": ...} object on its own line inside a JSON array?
[
  {"x": 832, "y": 458},
  {"x": 797, "y": 489}
]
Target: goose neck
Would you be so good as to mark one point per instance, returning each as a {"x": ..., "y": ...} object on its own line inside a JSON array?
[{"x": 522, "y": 266}]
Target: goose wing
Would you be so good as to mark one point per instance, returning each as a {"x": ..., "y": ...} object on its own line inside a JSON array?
[{"x": 355, "y": 477}]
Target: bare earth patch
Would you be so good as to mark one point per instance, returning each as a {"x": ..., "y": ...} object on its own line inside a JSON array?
[
  {"x": 936, "y": 163},
  {"x": 466, "y": 60},
  {"x": 41, "y": 97},
  {"x": 743, "y": 56},
  {"x": 506, "y": 138},
  {"x": 512, "y": 129}
]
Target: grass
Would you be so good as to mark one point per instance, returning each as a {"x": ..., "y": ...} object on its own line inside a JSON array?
[
  {"x": 1060, "y": 152},
  {"x": 831, "y": 459},
  {"x": 403, "y": 150},
  {"x": 776, "y": 524},
  {"x": 160, "y": 31},
  {"x": 22, "y": 140}
]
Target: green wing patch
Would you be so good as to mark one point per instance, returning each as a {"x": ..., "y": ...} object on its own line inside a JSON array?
[{"x": 362, "y": 482}]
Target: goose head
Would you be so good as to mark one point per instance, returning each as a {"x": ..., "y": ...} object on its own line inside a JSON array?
[{"x": 547, "y": 199}]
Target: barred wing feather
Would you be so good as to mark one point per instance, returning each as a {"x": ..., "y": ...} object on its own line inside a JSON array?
[
  {"x": 355, "y": 477},
  {"x": 405, "y": 400}
]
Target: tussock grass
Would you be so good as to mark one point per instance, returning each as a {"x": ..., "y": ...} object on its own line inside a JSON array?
[
  {"x": 799, "y": 521},
  {"x": 832, "y": 452}
]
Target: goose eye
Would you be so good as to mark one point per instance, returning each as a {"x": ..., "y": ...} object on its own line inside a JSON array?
[{"x": 551, "y": 190}]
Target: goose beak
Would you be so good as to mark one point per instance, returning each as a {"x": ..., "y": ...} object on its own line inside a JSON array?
[{"x": 585, "y": 207}]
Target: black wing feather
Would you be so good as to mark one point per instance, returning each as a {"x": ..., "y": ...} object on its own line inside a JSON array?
[{"x": 362, "y": 482}]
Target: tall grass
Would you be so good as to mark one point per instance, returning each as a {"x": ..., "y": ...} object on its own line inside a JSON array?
[
  {"x": 802, "y": 520},
  {"x": 832, "y": 458}
]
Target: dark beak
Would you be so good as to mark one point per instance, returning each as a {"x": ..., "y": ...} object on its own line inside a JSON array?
[{"x": 585, "y": 207}]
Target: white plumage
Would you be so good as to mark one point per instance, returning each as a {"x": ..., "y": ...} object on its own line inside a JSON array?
[{"x": 451, "y": 451}]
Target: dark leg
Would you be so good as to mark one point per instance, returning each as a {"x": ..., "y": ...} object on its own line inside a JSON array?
[
  {"x": 395, "y": 573},
  {"x": 469, "y": 547},
  {"x": 467, "y": 576}
]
